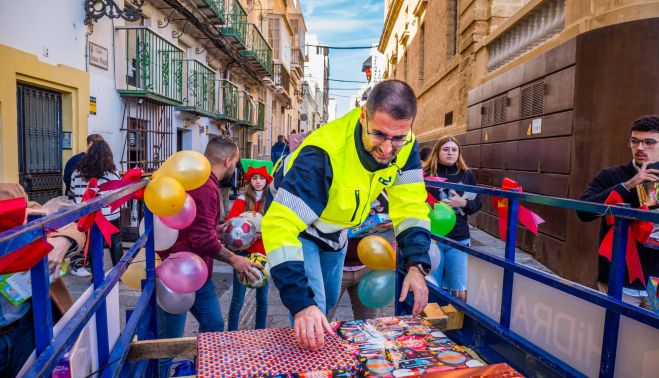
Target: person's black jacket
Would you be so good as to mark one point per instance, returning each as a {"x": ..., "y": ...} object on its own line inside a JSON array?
[
  {"x": 606, "y": 181},
  {"x": 461, "y": 229}
]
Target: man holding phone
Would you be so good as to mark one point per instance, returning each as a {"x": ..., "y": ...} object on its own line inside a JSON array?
[{"x": 623, "y": 179}]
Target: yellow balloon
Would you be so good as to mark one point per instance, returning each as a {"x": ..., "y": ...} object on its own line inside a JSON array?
[
  {"x": 136, "y": 271},
  {"x": 164, "y": 196},
  {"x": 190, "y": 168},
  {"x": 376, "y": 253}
]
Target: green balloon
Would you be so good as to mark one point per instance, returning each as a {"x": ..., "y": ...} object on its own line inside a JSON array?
[
  {"x": 442, "y": 219},
  {"x": 377, "y": 288}
]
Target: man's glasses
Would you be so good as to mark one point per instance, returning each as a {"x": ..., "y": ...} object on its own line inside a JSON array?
[
  {"x": 648, "y": 143},
  {"x": 379, "y": 138}
]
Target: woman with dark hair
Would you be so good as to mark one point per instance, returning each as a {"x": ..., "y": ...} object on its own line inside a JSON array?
[
  {"x": 98, "y": 163},
  {"x": 446, "y": 161}
]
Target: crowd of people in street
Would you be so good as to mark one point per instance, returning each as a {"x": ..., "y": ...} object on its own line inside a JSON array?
[{"x": 323, "y": 183}]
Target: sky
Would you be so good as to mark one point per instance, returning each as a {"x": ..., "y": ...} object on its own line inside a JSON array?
[{"x": 345, "y": 23}]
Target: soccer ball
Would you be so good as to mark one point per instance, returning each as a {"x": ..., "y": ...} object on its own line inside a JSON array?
[
  {"x": 254, "y": 217},
  {"x": 239, "y": 234},
  {"x": 263, "y": 274}
]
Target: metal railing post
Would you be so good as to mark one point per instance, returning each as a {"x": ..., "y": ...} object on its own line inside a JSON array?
[
  {"x": 98, "y": 274},
  {"x": 616, "y": 280},
  {"x": 41, "y": 306},
  {"x": 511, "y": 241}
]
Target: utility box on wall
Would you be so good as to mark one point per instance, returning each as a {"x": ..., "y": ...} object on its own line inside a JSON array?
[{"x": 553, "y": 122}]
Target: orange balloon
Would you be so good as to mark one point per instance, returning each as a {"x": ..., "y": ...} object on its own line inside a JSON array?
[
  {"x": 136, "y": 271},
  {"x": 190, "y": 168},
  {"x": 164, "y": 196},
  {"x": 376, "y": 253}
]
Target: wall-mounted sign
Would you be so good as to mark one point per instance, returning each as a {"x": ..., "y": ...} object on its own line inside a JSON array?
[
  {"x": 98, "y": 56},
  {"x": 92, "y": 105},
  {"x": 66, "y": 140}
]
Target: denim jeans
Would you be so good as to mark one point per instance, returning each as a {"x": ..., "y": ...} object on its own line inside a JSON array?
[
  {"x": 452, "y": 271},
  {"x": 238, "y": 299},
  {"x": 16, "y": 346},
  {"x": 324, "y": 270},
  {"x": 206, "y": 309}
]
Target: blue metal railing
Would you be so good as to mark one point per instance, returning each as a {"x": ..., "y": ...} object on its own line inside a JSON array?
[
  {"x": 611, "y": 303},
  {"x": 49, "y": 349}
]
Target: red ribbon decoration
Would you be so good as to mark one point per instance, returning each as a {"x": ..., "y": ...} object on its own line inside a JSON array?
[
  {"x": 526, "y": 217},
  {"x": 12, "y": 214},
  {"x": 639, "y": 231},
  {"x": 131, "y": 176},
  {"x": 430, "y": 199},
  {"x": 85, "y": 223}
]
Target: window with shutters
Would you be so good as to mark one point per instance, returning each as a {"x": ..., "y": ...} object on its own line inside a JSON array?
[
  {"x": 273, "y": 37},
  {"x": 533, "y": 99}
]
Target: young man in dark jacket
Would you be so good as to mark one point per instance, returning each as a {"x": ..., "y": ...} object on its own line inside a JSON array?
[
  {"x": 278, "y": 149},
  {"x": 623, "y": 179}
]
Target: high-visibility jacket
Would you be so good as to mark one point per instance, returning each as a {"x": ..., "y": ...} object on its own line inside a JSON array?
[{"x": 323, "y": 188}]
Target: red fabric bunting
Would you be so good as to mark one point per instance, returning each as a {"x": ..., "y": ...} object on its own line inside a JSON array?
[
  {"x": 639, "y": 231},
  {"x": 526, "y": 217},
  {"x": 130, "y": 177},
  {"x": 12, "y": 214},
  {"x": 85, "y": 223},
  {"x": 430, "y": 199}
]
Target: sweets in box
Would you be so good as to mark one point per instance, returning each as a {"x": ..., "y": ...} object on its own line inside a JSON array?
[
  {"x": 402, "y": 346},
  {"x": 270, "y": 353}
]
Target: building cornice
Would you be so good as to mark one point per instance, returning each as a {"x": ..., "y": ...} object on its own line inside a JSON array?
[{"x": 390, "y": 20}]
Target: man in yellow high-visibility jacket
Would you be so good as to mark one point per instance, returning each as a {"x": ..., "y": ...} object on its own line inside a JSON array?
[{"x": 326, "y": 186}]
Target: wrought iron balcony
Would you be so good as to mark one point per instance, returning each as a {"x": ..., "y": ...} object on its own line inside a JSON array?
[
  {"x": 198, "y": 83},
  {"x": 235, "y": 28},
  {"x": 213, "y": 9},
  {"x": 282, "y": 79},
  {"x": 151, "y": 66},
  {"x": 260, "y": 116},
  {"x": 248, "y": 113},
  {"x": 258, "y": 50},
  {"x": 228, "y": 106}
]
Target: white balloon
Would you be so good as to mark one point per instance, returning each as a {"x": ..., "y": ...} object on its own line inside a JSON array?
[
  {"x": 165, "y": 237},
  {"x": 435, "y": 256}
]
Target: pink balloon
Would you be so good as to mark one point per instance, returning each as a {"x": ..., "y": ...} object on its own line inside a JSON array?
[
  {"x": 184, "y": 217},
  {"x": 183, "y": 272}
]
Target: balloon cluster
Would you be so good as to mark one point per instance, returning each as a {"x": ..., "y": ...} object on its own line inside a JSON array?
[
  {"x": 377, "y": 288},
  {"x": 182, "y": 273}
]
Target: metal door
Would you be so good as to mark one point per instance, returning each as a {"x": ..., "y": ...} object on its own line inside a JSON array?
[{"x": 39, "y": 142}]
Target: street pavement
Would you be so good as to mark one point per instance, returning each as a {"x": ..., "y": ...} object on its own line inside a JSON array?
[{"x": 277, "y": 313}]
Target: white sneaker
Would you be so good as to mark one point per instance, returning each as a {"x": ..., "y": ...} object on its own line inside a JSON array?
[{"x": 80, "y": 272}]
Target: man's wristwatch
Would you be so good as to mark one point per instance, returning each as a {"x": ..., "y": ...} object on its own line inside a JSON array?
[{"x": 422, "y": 269}]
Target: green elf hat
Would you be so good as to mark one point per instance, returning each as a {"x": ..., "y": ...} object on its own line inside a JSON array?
[{"x": 254, "y": 163}]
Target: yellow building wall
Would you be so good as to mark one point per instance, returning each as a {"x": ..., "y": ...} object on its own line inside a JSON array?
[{"x": 19, "y": 67}]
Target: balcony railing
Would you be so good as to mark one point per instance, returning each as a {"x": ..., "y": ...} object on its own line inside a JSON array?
[
  {"x": 248, "y": 113},
  {"x": 228, "y": 108},
  {"x": 258, "y": 50},
  {"x": 235, "y": 28},
  {"x": 260, "y": 116},
  {"x": 213, "y": 9},
  {"x": 198, "y": 83},
  {"x": 152, "y": 65},
  {"x": 282, "y": 79}
]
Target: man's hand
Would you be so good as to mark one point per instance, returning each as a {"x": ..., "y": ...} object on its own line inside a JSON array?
[
  {"x": 642, "y": 176},
  {"x": 243, "y": 266},
  {"x": 415, "y": 281},
  {"x": 455, "y": 201},
  {"x": 60, "y": 245},
  {"x": 310, "y": 327}
]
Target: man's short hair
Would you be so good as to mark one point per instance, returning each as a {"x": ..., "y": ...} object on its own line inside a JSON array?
[
  {"x": 91, "y": 138},
  {"x": 280, "y": 138},
  {"x": 219, "y": 148},
  {"x": 646, "y": 123},
  {"x": 393, "y": 97}
]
